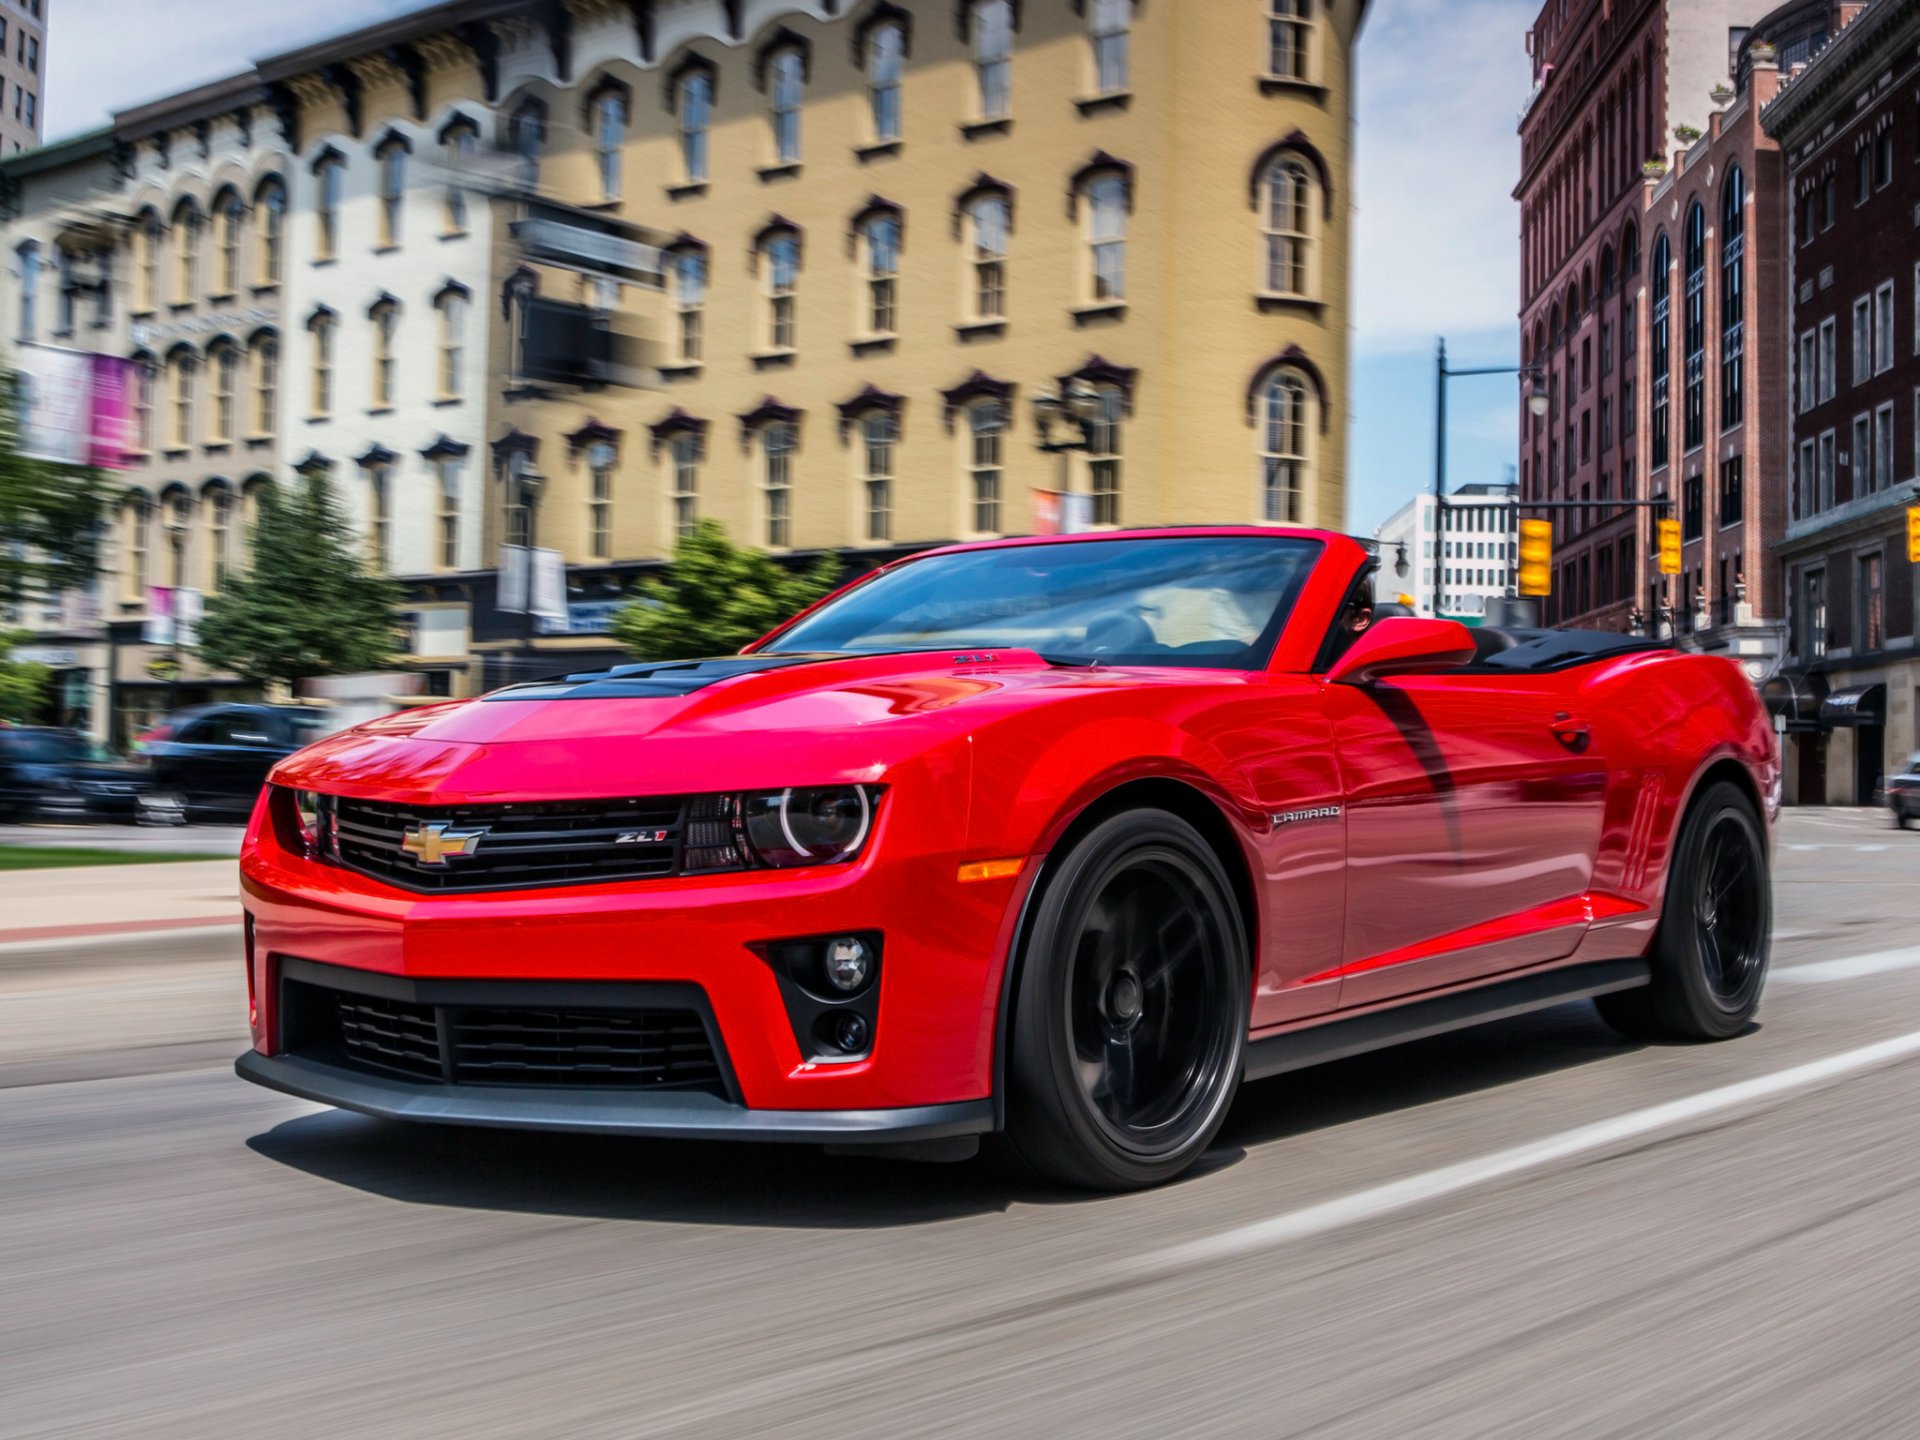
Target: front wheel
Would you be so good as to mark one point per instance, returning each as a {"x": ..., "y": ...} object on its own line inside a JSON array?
[
  {"x": 1130, "y": 1023},
  {"x": 1710, "y": 958}
]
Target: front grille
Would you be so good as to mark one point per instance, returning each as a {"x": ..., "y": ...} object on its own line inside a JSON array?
[
  {"x": 513, "y": 847},
  {"x": 527, "y": 1045}
]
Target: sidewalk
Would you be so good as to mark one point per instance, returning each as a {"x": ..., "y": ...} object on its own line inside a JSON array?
[{"x": 117, "y": 899}]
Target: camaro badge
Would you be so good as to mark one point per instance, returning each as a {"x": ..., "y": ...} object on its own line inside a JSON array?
[
  {"x": 1295, "y": 817},
  {"x": 437, "y": 844}
]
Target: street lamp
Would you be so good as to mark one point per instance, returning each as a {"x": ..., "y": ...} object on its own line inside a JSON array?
[{"x": 1538, "y": 403}]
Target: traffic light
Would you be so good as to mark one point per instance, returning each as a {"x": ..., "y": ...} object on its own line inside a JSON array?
[
  {"x": 1913, "y": 533},
  {"x": 1536, "y": 557},
  {"x": 1669, "y": 547}
]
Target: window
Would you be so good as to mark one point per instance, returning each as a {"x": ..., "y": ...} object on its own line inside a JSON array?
[
  {"x": 226, "y": 384},
  {"x": 781, "y": 257},
  {"x": 178, "y": 518},
  {"x": 694, "y": 107},
  {"x": 1695, "y": 327},
  {"x": 689, "y": 268},
  {"x": 180, "y": 376},
  {"x": 1693, "y": 507},
  {"x": 459, "y": 144},
  {"x": 878, "y": 435},
  {"x": 1112, "y": 20},
  {"x": 219, "y": 535},
  {"x": 1289, "y": 39},
  {"x": 386, "y": 320},
  {"x": 380, "y": 519},
  {"x": 993, "y": 58},
  {"x": 29, "y": 254},
  {"x": 1830, "y": 202},
  {"x": 233, "y": 217},
  {"x": 601, "y": 456},
  {"x": 452, "y": 305},
  {"x": 1883, "y": 159},
  {"x": 1883, "y": 448},
  {"x": 1289, "y": 216},
  {"x": 518, "y": 498},
  {"x": 1862, "y": 456},
  {"x": 686, "y": 484},
  {"x": 320, "y": 328},
  {"x": 143, "y": 384},
  {"x": 139, "y": 528},
  {"x": 1873, "y": 612},
  {"x": 1733, "y": 300},
  {"x": 1862, "y": 340},
  {"x": 1883, "y": 329},
  {"x": 609, "y": 140},
  {"x": 448, "y": 517},
  {"x": 326, "y": 208},
  {"x": 1107, "y": 238},
  {"x": 880, "y": 240},
  {"x": 886, "y": 62},
  {"x": 986, "y": 437},
  {"x": 527, "y": 136},
  {"x": 273, "y": 221},
  {"x": 393, "y": 190},
  {"x": 1732, "y": 508},
  {"x": 787, "y": 76},
  {"x": 1829, "y": 445},
  {"x": 990, "y": 218},
  {"x": 186, "y": 254},
  {"x": 776, "y": 478},
  {"x": 1829, "y": 358},
  {"x": 1813, "y": 609},
  {"x": 33, "y": 57},
  {"x": 1286, "y": 409},
  {"x": 266, "y": 384},
  {"x": 1103, "y": 454},
  {"x": 1662, "y": 351},
  {"x": 1863, "y": 174}
]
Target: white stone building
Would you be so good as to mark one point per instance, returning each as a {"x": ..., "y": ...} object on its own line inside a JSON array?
[{"x": 1476, "y": 553}]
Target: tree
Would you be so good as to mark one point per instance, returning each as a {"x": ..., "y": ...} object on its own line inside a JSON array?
[
  {"x": 307, "y": 605},
  {"x": 23, "y": 684},
  {"x": 715, "y": 597},
  {"x": 49, "y": 516}
]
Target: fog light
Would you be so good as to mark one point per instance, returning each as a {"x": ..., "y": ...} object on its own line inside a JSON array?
[
  {"x": 849, "y": 964},
  {"x": 850, "y": 1032}
]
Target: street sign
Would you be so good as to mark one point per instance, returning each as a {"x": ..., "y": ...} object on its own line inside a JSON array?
[{"x": 1669, "y": 547}]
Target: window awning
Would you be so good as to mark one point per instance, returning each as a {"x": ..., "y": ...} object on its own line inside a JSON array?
[
  {"x": 1795, "y": 696},
  {"x": 1856, "y": 705}
]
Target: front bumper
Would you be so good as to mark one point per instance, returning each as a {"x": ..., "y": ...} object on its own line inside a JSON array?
[{"x": 677, "y": 1115}]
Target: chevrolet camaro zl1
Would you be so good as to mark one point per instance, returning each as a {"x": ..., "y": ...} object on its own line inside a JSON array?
[{"x": 1062, "y": 838}]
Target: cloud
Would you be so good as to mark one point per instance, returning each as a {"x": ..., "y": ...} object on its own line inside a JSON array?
[{"x": 1437, "y": 248}]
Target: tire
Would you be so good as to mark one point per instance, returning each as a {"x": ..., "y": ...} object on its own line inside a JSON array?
[
  {"x": 1716, "y": 930},
  {"x": 1126, "y": 1051}
]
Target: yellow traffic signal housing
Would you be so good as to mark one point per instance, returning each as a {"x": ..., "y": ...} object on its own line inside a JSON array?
[
  {"x": 1913, "y": 534},
  {"x": 1536, "y": 557},
  {"x": 1669, "y": 547}
]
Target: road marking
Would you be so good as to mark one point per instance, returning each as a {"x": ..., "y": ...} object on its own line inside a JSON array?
[
  {"x": 1853, "y": 967},
  {"x": 121, "y": 939},
  {"x": 1836, "y": 845},
  {"x": 1364, "y": 1205}
]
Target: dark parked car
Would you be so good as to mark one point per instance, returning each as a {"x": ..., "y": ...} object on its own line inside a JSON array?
[
  {"x": 48, "y": 774},
  {"x": 1903, "y": 793},
  {"x": 210, "y": 762}
]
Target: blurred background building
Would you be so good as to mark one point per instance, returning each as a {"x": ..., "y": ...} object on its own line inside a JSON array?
[
  {"x": 23, "y": 69},
  {"x": 1475, "y": 547}
]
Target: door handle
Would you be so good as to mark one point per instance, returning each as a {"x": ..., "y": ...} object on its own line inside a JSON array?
[{"x": 1572, "y": 733}]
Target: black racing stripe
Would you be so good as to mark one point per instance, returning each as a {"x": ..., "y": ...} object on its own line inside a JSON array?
[{"x": 658, "y": 679}]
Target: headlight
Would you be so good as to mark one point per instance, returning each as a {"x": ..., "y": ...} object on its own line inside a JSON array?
[
  {"x": 313, "y": 819},
  {"x": 814, "y": 826}
]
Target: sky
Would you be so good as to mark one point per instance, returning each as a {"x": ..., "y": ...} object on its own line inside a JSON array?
[{"x": 1437, "y": 244}]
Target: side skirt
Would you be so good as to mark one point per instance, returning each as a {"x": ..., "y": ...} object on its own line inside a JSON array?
[{"x": 1338, "y": 1039}]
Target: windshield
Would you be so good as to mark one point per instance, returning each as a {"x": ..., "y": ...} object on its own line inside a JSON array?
[{"x": 1198, "y": 601}]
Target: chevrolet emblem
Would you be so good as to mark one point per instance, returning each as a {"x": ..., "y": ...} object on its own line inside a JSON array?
[{"x": 437, "y": 844}]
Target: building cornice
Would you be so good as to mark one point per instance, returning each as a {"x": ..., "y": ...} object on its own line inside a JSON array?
[
  {"x": 1821, "y": 89},
  {"x": 203, "y": 102}
]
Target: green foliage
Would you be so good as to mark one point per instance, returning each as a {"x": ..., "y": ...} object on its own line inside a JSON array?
[
  {"x": 49, "y": 516},
  {"x": 307, "y": 605},
  {"x": 23, "y": 684},
  {"x": 716, "y": 597}
]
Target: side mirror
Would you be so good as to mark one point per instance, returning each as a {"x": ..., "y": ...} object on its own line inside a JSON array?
[{"x": 1403, "y": 646}]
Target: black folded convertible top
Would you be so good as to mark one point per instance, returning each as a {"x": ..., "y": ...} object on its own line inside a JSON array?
[{"x": 1537, "y": 651}]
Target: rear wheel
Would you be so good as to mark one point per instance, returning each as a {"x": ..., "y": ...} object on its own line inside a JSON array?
[
  {"x": 1710, "y": 958},
  {"x": 1130, "y": 1024}
]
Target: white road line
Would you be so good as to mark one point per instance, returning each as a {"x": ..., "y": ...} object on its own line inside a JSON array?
[
  {"x": 1836, "y": 845},
  {"x": 1853, "y": 967},
  {"x": 1364, "y": 1205},
  {"x": 230, "y": 930}
]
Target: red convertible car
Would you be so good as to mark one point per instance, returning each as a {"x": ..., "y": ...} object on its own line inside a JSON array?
[{"x": 1062, "y": 838}]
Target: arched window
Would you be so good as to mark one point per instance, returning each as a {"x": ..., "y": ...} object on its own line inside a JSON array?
[
  {"x": 1733, "y": 300},
  {"x": 144, "y": 372},
  {"x": 266, "y": 383},
  {"x": 177, "y": 516},
  {"x": 880, "y": 258},
  {"x": 233, "y": 218},
  {"x": 386, "y": 322},
  {"x": 688, "y": 265},
  {"x": 1609, "y": 276},
  {"x": 1289, "y": 217},
  {"x": 136, "y": 521},
  {"x": 780, "y": 261},
  {"x": 146, "y": 263},
  {"x": 609, "y": 139},
  {"x": 693, "y": 109},
  {"x": 320, "y": 333},
  {"x": 1660, "y": 425},
  {"x": 886, "y": 64},
  {"x": 326, "y": 206},
  {"x": 993, "y": 58},
  {"x": 989, "y": 225},
  {"x": 380, "y": 518},
  {"x": 986, "y": 457},
  {"x": 459, "y": 143},
  {"x": 879, "y": 434},
  {"x": 219, "y": 507},
  {"x": 67, "y": 292},
  {"x": 527, "y": 136},
  {"x": 1110, "y": 30},
  {"x": 787, "y": 83},
  {"x": 180, "y": 368},
  {"x": 273, "y": 223},
  {"x": 1107, "y": 204},
  {"x": 452, "y": 307},
  {"x": 684, "y": 450},
  {"x": 601, "y": 459},
  {"x": 186, "y": 253},
  {"x": 1630, "y": 252},
  {"x": 1103, "y": 453},
  {"x": 778, "y": 440},
  {"x": 392, "y": 156},
  {"x": 1287, "y": 408},
  {"x": 224, "y": 361},
  {"x": 447, "y": 508},
  {"x": 1290, "y": 39},
  {"x": 1695, "y": 431},
  {"x": 29, "y": 255}
]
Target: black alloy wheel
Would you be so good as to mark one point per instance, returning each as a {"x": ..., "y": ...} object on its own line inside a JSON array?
[
  {"x": 1131, "y": 1020},
  {"x": 1716, "y": 931}
]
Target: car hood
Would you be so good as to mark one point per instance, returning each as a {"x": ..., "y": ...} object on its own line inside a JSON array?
[{"x": 745, "y": 722}]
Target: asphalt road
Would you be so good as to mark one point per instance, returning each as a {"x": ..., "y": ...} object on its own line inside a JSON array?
[
  {"x": 197, "y": 839},
  {"x": 1384, "y": 1247}
]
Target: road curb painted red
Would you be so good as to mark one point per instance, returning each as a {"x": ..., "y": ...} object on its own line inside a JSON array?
[{"x": 116, "y": 927}]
